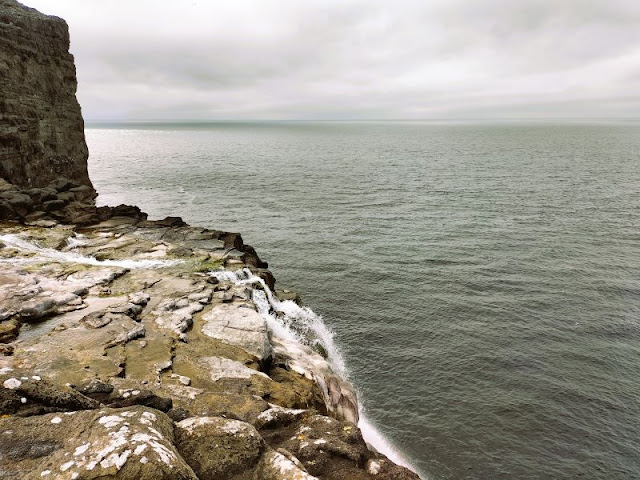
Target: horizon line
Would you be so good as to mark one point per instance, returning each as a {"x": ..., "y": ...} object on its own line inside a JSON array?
[{"x": 357, "y": 120}]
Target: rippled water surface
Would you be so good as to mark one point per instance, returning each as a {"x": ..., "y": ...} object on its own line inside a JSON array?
[{"x": 482, "y": 281}]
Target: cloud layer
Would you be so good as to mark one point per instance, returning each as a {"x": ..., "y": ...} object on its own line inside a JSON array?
[{"x": 329, "y": 59}]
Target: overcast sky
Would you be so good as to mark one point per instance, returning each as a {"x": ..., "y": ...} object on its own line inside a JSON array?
[{"x": 353, "y": 59}]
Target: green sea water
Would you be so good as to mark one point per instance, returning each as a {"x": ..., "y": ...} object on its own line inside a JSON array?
[{"x": 482, "y": 280}]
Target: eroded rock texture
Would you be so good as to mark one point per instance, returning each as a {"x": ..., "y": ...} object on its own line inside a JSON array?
[
  {"x": 137, "y": 349},
  {"x": 41, "y": 126}
]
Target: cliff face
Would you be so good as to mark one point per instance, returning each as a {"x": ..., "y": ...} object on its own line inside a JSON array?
[{"x": 41, "y": 126}]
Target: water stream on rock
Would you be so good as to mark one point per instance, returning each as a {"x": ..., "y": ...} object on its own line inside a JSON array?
[
  {"x": 68, "y": 256},
  {"x": 288, "y": 320}
]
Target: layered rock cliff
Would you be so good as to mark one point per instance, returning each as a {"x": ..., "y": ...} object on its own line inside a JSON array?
[
  {"x": 41, "y": 126},
  {"x": 134, "y": 349}
]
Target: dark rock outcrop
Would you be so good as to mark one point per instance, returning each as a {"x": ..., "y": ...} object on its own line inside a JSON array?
[{"x": 41, "y": 126}]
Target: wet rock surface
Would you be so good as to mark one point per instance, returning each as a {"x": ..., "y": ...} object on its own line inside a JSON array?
[{"x": 112, "y": 320}]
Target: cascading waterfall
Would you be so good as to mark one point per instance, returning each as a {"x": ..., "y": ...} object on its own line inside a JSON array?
[{"x": 288, "y": 320}]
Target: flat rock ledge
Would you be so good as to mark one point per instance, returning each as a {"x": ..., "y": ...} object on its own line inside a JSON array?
[{"x": 121, "y": 356}]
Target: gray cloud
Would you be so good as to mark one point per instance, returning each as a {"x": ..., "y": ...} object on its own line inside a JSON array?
[{"x": 252, "y": 59}]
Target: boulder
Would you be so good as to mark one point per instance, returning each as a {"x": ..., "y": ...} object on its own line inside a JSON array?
[
  {"x": 62, "y": 184},
  {"x": 321, "y": 443},
  {"x": 83, "y": 193},
  {"x": 381, "y": 468},
  {"x": 52, "y": 205},
  {"x": 7, "y": 212},
  {"x": 66, "y": 197},
  {"x": 276, "y": 466},
  {"x": 128, "y": 444},
  {"x": 285, "y": 295},
  {"x": 95, "y": 386},
  {"x": 79, "y": 213},
  {"x": 37, "y": 309},
  {"x": 40, "y": 394},
  {"x": 198, "y": 402},
  {"x": 242, "y": 327},
  {"x": 127, "y": 211},
  {"x": 278, "y": 417},
  {"x": 39, "y": 195},
  {"x": 218, "y": 448},
  {"x": 166, "y": 222},
  {"x": 18, "y": 202}
]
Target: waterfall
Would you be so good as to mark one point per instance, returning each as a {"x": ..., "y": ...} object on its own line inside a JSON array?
[{"x": 287, "y": 319}]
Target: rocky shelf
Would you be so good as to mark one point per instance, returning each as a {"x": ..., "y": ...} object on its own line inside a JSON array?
[{"x": 129, "y": 354}]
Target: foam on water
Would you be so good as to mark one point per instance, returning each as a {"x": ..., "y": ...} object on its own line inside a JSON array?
[
  {"x": 287, "y": 319},
  {"x": 15, "y": 241},
  {"x": 303, "y": 325},
  {"x": 76, "y": 240},
  {"x": 377, "y": 440}
]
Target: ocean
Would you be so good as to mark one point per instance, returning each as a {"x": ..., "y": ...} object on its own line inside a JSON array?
[{"x": 481, "y": 280}]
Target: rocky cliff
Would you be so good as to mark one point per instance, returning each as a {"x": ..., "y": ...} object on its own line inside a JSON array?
[
  {"x": 41, "y": 126},
  {"x": 134, "y": 349}
]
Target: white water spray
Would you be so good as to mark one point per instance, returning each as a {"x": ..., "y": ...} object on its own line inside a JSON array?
[
  {"x": 15, "y": 241},
  {"x": 288, "y": 320},
  {"x": 76, "y": 240}
]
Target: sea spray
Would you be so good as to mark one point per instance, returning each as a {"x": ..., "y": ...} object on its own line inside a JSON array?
[
  {"x": 290, "y": 321},
  {"x": 377, "y": 440}
]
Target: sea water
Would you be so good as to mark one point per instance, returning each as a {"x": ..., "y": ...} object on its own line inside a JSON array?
[{"x": 481, "y": 281}]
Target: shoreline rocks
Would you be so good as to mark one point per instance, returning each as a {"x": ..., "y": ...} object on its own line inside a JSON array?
[{"x": 145, "y": 329}]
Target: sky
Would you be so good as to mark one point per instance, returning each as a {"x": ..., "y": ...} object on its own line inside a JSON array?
[{"x": 353, "y": 59}]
